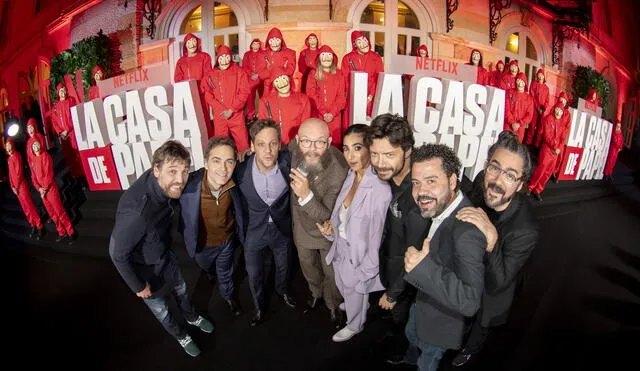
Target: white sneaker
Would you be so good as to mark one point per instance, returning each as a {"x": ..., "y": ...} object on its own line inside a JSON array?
[
  {"x": 189, "y": 346},
  {"x": 343, "y": 335},
  {"x": 342, "y": 308}
]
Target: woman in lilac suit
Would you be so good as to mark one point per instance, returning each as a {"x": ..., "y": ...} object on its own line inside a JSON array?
[{"x": 356, "y": 228}]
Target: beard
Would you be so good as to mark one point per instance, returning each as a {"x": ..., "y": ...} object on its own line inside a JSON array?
[
  {"x": 312, "y": 169},
  {"x": 496, "y": 201},
  {"x": 440, "y": 205},
  {"x": 169, "y": 192}
]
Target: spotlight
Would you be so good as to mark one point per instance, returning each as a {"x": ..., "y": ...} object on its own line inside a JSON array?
[{"x": 13, "y": 130}]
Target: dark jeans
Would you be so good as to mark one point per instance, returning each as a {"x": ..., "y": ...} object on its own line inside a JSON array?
[
  {"x": 159, "y": 305},
  {"x": 396, "y": 343},
  {"x": 280, "y": 246},
  {"x": 426, "y": 356},
  {"x": 477, "y": 336},
  {"x": 219, "y": 260}
]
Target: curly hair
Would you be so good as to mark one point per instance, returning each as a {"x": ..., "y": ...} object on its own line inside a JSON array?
[
  {"x": 393, "y": 127},
  {"x": 171, "y": 151},
  {"x": 450, "y": 162},
  {"x": 509, "y": 141}
]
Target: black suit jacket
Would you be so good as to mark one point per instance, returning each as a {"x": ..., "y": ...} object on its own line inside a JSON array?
[
  {"x": 190, "y": 211},
  {"x": 450, "y": 281},
  {"x": 254, "y": 210},
  {"x": 517, "y": 237}
]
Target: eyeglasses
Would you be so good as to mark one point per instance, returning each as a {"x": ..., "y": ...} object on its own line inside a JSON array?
[
  {"x": 318, "y": 144},
  {"x": 508, "y": 177}
]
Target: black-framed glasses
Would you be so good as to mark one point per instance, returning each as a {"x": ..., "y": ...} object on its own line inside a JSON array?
[
  {"x": 508, "y": 177},
  {"x": 318, "y": 144}
]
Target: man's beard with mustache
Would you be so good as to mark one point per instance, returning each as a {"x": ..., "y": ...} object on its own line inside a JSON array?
[
  {"x": 312, "y": 169},
  {"x": 438, "y": 209},
  {"x": 498, "y": 201}
]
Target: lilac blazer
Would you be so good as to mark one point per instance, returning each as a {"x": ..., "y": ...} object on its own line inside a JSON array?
[{"x": 364, "y": 226}]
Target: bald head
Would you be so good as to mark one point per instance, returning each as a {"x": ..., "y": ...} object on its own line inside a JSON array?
[{"x": 313, "y": 128}]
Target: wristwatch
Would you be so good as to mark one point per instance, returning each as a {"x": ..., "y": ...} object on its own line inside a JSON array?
[{"x": 390, "y": 299}]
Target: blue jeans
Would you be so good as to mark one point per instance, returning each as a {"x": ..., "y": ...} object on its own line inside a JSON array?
[
  {"x": 426, "y": 356},
  {"x": 218, "y": 259},
  {"x": 159, "y": 305}
]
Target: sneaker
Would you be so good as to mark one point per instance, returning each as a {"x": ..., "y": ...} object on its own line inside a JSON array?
[
  {"x": 189, "y": 346},
  {"x": 343, "y": 335},
  {"x": 203, "y": 324},
  {"x": 462, "y": 358},
  {"x": 61, "y": 238}
]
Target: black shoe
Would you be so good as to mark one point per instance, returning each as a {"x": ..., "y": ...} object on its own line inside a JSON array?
[
  {"x": 396, "y": 359},
  {"x": 234, "y": 307},
  {"x": 32, "y": 234},
  {"x": 288, "y": 300},
  {"x": 312, "y": 304},
  {"x": 61, "y": 238},
  {"x": 462, "y": 358},
  {"x": 72, "y": 238},
  {"x": 336, "y": 317},
  {"x": 537, "y": 196},
  {"x": 38, "y": 234},
  {"x": 257, "y": 319}
]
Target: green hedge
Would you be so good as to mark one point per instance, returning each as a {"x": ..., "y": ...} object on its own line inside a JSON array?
[
  {"x": 87, "y": 53},
  {"x": 585, "y": 78}
]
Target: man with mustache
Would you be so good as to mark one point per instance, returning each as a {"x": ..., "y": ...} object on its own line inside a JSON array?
[
  {"x": 140, "y": 242},
  {"x": 448, "y": 270},
  {"x": 506, "y": 218},
  {"x": 317, "y": 173},
  {"x": 211, "y": 216},
  {"x": 390, "y": 142}
]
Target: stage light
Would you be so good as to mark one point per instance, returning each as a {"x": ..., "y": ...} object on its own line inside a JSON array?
[{"x": 13, "y": 130}]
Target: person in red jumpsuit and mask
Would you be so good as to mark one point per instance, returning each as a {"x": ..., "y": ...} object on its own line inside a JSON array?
[
  {"x": 98, "y": 75},
  {"x": 250, "y": 66},
  {"x": 361, "y": 59},
  {"x": 552, "y": 141},
  {"x": 519, "y": 108},
  {"x": 20, "y": 188},
  {"x": 194, "y": 65},
  {"x": 617, "y": 141},
  {"x": 540, "y": 93},
  {"x": 32, "y": 131},
  {"x": 495, "y": 78},
  {"x": 326, "y": 91},
  {"x": 592, "y": 101},
  {"x": 275, "y": 56},
  {"x": 43, "y": 180},
  {"x": 307, "y": 58},
  {"x": 286, "y": 107},
  {"x": 566, "y": 129},
  {"x": 508, "y": 80},
  {"x": 63, "y": 126},
  {"x": 226, "y": 92},
  {"x": 475, "y": 59}
]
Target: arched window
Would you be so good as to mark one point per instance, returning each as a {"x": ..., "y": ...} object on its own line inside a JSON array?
[
  {"x": 519, "y": 44},
  {"x": 393, "y": 26},
  {"x": 215, "y": 23}
]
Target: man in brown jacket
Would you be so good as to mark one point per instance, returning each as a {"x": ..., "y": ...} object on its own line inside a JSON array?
[{"x": 317, "y": 173}]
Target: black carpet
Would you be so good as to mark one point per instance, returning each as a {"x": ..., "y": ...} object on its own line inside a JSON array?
[{"x": 579, "y": 308}]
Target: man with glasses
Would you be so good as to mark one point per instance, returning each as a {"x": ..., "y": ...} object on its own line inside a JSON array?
[
  {"x": 506, "y": 218},
  {"x": 317, "y": 173}
]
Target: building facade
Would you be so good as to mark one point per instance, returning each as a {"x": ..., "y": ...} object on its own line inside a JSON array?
[{"x": 32, "y": 32}]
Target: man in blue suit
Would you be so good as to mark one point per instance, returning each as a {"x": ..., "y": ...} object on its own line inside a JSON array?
[
  {"x": 211, "y": 216},
  {"x": 263, "y": 180}
]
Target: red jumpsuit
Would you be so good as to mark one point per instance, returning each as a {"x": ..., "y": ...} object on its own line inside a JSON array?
[
  {"x": 20, "y": 185},
  {"x": 617, "y": 142},
  {"x": 482, "y": 76},
  {"x": 540, "y": 94},
  {"x": 250, "y": 66},
  {"x": 36, "y": 136},
  {"x": 43, "y": 177},
  {"x": 370, "y": 63},
  {"x": 552, "y": 139},
  {"x": 228, "y": 89},
  {"x": 289, "y": 112},
  {"x": 94, "y": 92},
  {"x": 62, "y": 122},
  {"x": 495, "y": 77},
  {"x": 328, "y": 96},
  {"x": 269, "y": 60},
  {"x": 519, "y": 108},
  {"x": 307, "y": 60},
  {"x": 194, "y": 68},
  {"x": 508, "y": 80},
  {"x": 566, "y": 129}
]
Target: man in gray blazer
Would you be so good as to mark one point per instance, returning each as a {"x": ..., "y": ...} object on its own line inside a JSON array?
[
  {"x": 317, "y": 173},
  {"x": 448, "y": 270}
]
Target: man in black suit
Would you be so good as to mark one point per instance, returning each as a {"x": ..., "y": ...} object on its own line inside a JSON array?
[
  {"x": 211, "y": 216},
  {"x": 506, "y": 218},
  {"x": 263, "y": 180},
  {"x": 448, "y": 271}
]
